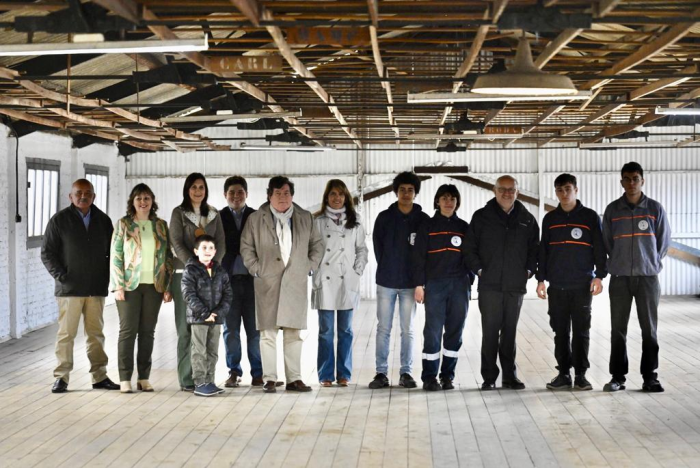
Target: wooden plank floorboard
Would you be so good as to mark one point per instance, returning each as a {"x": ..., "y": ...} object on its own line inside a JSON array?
[{"x": 356, "y": 426}]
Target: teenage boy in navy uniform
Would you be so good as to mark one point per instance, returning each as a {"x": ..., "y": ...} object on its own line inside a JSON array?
[
  {"x": 637, "y": 236},
  {"x": 570, "y": 249},
  {"x": 394, "y": 236}
]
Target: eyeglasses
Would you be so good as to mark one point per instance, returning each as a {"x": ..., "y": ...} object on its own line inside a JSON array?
[
  {"x": 635, "y": 179},
  {"x": 509, "y": 190}
]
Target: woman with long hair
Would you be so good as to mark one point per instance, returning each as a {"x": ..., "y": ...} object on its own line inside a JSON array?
[
  {"x": 191, "y": 219},
  {"x": 336, "y": 283},
  {"x": 141, "y": 270}
]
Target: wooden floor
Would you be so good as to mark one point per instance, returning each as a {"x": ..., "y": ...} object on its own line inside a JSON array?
[{"x": 356, "y": 426}]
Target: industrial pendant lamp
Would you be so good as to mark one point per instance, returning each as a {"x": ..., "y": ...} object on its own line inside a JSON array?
[{"x": 524, "y": 78}]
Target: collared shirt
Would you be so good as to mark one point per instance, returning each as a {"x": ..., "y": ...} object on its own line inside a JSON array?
[
  {"x": 86, "y": 218},
  {"x": 238, "y": 267}
]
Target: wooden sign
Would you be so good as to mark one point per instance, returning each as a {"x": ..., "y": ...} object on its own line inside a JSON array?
[
  {"x": 245, "y": 63},
  {"x": 503, "y": 130},
  {"x": 328, "y": 36}
]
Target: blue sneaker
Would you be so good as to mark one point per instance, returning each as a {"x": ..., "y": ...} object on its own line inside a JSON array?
[
  {"x": 217, "y": 389},
  {"x": 205, "y": 390}
]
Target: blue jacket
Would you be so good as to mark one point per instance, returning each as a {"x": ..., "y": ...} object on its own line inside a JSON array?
[
  {"x": 393, "y": 238},
  {"x": 571, "y": 247},
  {"x": 438, "y": 250},
  {"x": 636, "y": 239}
]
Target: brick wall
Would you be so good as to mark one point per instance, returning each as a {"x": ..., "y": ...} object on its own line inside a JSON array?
[{"x": 25, "y": 285}]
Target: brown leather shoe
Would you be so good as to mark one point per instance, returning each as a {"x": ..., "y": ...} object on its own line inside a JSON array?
[
  {"x": 297, "y": 386},
  {"x": 326, "y": 383},
  {"x": 232, "y": 381},
  {"x": 270, "y": 386},
  {"x": 343, "y": 382},
  {"x": 257, "y": 382}
]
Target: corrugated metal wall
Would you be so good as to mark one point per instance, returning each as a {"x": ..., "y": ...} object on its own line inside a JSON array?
[{"x": 672, "y": 177}]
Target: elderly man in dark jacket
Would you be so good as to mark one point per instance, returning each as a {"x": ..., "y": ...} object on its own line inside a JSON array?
[
  {"x": 75, "y": 251},
  {"x": 501, "y": 248}
]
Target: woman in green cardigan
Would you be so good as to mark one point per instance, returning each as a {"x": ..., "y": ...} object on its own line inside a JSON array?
[{"x": 140, "y": 277}]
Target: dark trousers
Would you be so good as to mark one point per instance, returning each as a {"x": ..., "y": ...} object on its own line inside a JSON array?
[
  {"x": 646, "y": 291},
  {"x": 570, "y": 319},
  {"x": 446, "y": 305},
  {"x": 138, "y": 315},
  {"x": 500, "y": 312},
  {"x": 242, "y": 309},
  {"x": 184, "y": 334}
]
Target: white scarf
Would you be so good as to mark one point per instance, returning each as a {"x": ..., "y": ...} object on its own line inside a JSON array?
[
  {"x": 284, "y": 231},
  {"x": 337, "y": 216}
]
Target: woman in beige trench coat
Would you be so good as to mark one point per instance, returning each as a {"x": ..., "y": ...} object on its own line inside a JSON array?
[{"x": 280, "y": 247}]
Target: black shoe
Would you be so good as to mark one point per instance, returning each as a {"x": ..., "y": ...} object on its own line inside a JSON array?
[
  {"x": 514, "y": 384},
  {"x": 106, "y": 384},
  {"x": 380, "y": 381},
  {"x": 59, "y": 386},
  {"x": 406, "y": 381},
  {"x": 431, "y": 385},
  {"x": 488, "y": 386},
  {"x": 270, "y": 386},
  {"x": 447, "y": 384},
  {"x": 581, "y": 383},
  {"x": 652, "y": 386},
  {"x": 188, "y": 388},
  {"x": 614, "y": 386},
  {"x": 560, "y": 382},
  {"x": 233, "y": 379}
]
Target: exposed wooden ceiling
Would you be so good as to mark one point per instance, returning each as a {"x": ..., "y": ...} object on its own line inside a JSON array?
[{"x": 633, "y": 55}]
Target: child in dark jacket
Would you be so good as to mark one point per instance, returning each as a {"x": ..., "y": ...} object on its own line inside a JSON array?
[{"x": 207, "y": 292}]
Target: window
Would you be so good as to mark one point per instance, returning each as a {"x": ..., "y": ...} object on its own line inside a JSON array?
[
  {"x": 99, "y": 177},
  {"x": 42, "y": 197}
]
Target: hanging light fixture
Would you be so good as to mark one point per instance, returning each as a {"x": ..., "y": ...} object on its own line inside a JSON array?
[{"x": 524, "y": 78}]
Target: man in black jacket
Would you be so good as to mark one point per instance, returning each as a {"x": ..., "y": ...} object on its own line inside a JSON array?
[
  {"x": 501, "y": 248},
  {"x": 75, "y": 251},
  {"x": 571, "y": 247},
  {"x": 234, "y": 217}
]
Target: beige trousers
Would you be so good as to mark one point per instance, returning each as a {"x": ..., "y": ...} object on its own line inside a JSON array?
[
  {"x": 292, "y": 353},
  {"x": 70, "y": 309}
]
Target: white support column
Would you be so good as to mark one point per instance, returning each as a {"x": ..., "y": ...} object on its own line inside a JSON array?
[{"x": 542, "y": 190}]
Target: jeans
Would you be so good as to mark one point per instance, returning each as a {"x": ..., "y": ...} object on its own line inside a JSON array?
[
  {"x": 446, "y": 304},
  {"x": 570, "y": 311},
  {"x": 500, "y": 312},
  {"x": 242, "y": 308},
  {"x": 646, "y": 291},
  {"x": 386, "y": 298},
  {"x": 326, "y": 362}
]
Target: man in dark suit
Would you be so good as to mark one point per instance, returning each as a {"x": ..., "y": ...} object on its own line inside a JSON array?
[{"x": 234, "y": 217}]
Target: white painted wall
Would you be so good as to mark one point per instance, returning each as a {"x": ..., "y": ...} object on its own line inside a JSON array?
[{"x": 26, "y": 289}]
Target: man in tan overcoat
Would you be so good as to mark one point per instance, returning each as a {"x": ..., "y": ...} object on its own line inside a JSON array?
[{"x": 280, "y": 247}]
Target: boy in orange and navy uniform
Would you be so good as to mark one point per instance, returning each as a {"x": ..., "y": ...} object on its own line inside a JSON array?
[{"x": 571, "y": 247}]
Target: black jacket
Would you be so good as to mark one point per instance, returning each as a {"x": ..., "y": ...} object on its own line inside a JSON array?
[
  {"x": 78, "y": 258},
  {"x": 571, "y": 246},
  {"x": 438, "y": 250},
  {"x": 204, "y": 294},
  {"x": 503, "y": 246},
  {"x": 233, "y": 235},
  {"x": 393, "y": 238}
]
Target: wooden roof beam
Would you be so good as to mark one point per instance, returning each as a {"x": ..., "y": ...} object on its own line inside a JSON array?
[
  {"x": 646, "y": 118},
  {"x": 301, "y": 69},
  {"x": 129, "y": 8},
  {"x": 667, "y": 39},
  {"x": 554, "y": 47},
  {"x": 383, "y": 73}
]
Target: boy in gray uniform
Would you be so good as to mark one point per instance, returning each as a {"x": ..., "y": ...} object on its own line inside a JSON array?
[{"x": 636, "y": 236}]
